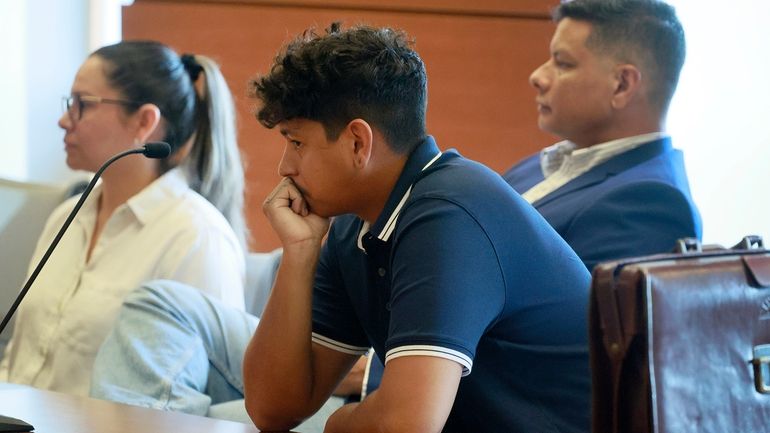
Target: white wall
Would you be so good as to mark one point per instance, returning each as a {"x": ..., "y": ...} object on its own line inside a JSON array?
[
  {"x": 56, "y": 45},
  {"x": 45, "y": 42},
  {"x": 13, "y": 113},
  {"x": 720, "y": 116}
]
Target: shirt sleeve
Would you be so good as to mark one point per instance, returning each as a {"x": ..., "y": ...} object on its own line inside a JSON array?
[
  {"x": 447, "y": 283},
  {"x": 210, "y": 260}
]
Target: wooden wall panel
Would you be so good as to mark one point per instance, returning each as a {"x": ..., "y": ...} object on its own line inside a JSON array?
[
  {"x": 509, "y": 8},
  {"x": 480, "y": 101}
]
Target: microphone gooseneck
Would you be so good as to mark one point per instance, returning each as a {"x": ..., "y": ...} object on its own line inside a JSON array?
[{"x": 155, "y": 150}]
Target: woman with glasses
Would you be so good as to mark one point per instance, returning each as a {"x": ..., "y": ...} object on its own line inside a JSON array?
[{"x": 179, "y": 219}]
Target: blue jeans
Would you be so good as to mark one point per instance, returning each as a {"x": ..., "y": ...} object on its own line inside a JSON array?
[{"x": 173, "y": 348}]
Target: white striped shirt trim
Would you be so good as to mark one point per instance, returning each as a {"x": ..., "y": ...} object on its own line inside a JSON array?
[
  {"x": 365, "y": 382},
  {"x": 387, "y": 230},
  {"x": 437, "y": 351},
  {"x": 364, "y": 229},
  {"x": 338, "y": 346}
]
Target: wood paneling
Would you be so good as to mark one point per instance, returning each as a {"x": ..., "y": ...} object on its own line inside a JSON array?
[
  {"x": 497, "y": 8},
  {"x": 480, "y": 101}
]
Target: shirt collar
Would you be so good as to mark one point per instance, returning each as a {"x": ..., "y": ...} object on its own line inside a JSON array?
[
  {"x": 149, "y": 202},
  {"x": 552, "y": 158},
  {"x": 422, "y": 157}
]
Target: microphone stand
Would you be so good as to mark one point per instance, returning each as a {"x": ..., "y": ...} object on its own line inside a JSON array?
[{"x": 150, "y": 150}]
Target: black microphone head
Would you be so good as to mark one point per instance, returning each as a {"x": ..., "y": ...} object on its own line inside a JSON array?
[{"x": 157, "y": 150}]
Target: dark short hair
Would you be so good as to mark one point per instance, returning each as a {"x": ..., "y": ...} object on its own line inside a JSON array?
[
  {"x": 643, "y": 32},
  {"x": 362, "y": 72}
]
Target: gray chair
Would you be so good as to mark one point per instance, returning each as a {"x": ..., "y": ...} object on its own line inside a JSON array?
[
  {"x": 24, "y": 208},
  {"x": 260, "y": 275}
]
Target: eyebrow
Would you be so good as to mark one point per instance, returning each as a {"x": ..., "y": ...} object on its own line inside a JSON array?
[{"x": 562, "y": 55}]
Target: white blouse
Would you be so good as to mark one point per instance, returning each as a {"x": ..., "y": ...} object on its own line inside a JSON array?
[{"x": 166, "y": 231}]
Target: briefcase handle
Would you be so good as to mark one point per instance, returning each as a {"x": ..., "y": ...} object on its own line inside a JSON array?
[
  {"x": 693, "y": 245},
  {"x": 751, "y": 242},
  {"x": 761, "y": 363}
]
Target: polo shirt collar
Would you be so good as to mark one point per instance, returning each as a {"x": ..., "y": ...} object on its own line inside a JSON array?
[{"x": 422, "y": 157}]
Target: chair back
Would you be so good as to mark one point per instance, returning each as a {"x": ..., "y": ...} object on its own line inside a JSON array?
[
  {"x": 260, "y": 275},
  {"x": 24, "y": 209}
]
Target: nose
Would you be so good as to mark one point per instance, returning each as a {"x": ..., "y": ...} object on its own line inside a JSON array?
[
  {"x": 538, "y": 79},
  {"x": 287, "y": 166},
  {"x": 65, "y": 122}
]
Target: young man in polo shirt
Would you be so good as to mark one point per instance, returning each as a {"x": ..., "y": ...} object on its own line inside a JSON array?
[{"x": 475, "y": 304}]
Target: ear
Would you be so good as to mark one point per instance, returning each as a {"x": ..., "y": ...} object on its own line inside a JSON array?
[
  {"x": 362, "y": 139},
  {"x": 628, "y": 84},
  {"x": 148, "y": 119}
]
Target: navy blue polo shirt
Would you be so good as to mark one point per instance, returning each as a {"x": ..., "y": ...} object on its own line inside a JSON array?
[{"x": 460, "y": 267}]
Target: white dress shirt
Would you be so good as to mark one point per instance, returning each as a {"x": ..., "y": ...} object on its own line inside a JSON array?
[
  {"x": 561, "y": 163},
  {"x": 166, "y": 231}
]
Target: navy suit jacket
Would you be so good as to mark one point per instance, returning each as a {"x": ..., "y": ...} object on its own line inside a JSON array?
[{"x": 634, "y": 204}]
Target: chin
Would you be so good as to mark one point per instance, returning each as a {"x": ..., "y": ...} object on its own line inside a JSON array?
[
  {"x": 545, "y": 125},
  {"x": 549, "y": 127},
  {"x": 73, "y": 163},
  {"x": 322, "y": 212},
  {"x": 325, "y": 211},
  {"x": 77, "y": 165}
]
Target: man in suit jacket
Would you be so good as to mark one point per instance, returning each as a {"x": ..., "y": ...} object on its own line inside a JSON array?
[{"x": 614, "y": 187}]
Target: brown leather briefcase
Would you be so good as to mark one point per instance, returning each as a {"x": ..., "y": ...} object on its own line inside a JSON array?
[{"x": 681, "y": 342}]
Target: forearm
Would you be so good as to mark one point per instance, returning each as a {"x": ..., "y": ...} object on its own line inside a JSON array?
[
  {"x": 416, "y": 395},
  {"x": 353, "y": 382},
  {"x": 376, "y": 416},
  {"x": 363, "y": 417},
  {"x": 278, "y": 370}
]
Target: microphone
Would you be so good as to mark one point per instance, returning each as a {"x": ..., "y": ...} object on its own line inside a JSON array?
[{"x": 154, "y": 150}]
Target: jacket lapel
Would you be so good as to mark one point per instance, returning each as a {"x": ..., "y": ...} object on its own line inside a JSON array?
[{"x": 611, "y": 167}]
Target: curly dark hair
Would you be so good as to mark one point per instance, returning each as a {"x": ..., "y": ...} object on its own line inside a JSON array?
[
  {"x": 362, "y": 72},
  {"x": 643, "y": 32}
]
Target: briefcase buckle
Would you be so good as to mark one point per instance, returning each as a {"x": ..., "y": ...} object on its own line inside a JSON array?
[{"x": 761, "y": 364}]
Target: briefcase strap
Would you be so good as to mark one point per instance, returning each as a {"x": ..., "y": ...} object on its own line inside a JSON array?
[{"x": 609, "y": 316}]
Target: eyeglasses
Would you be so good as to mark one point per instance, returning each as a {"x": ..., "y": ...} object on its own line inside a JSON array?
[{"x": 73, "y": 105}]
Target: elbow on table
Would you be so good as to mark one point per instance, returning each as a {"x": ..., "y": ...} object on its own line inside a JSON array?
[{"x": 268, "y": 417}]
